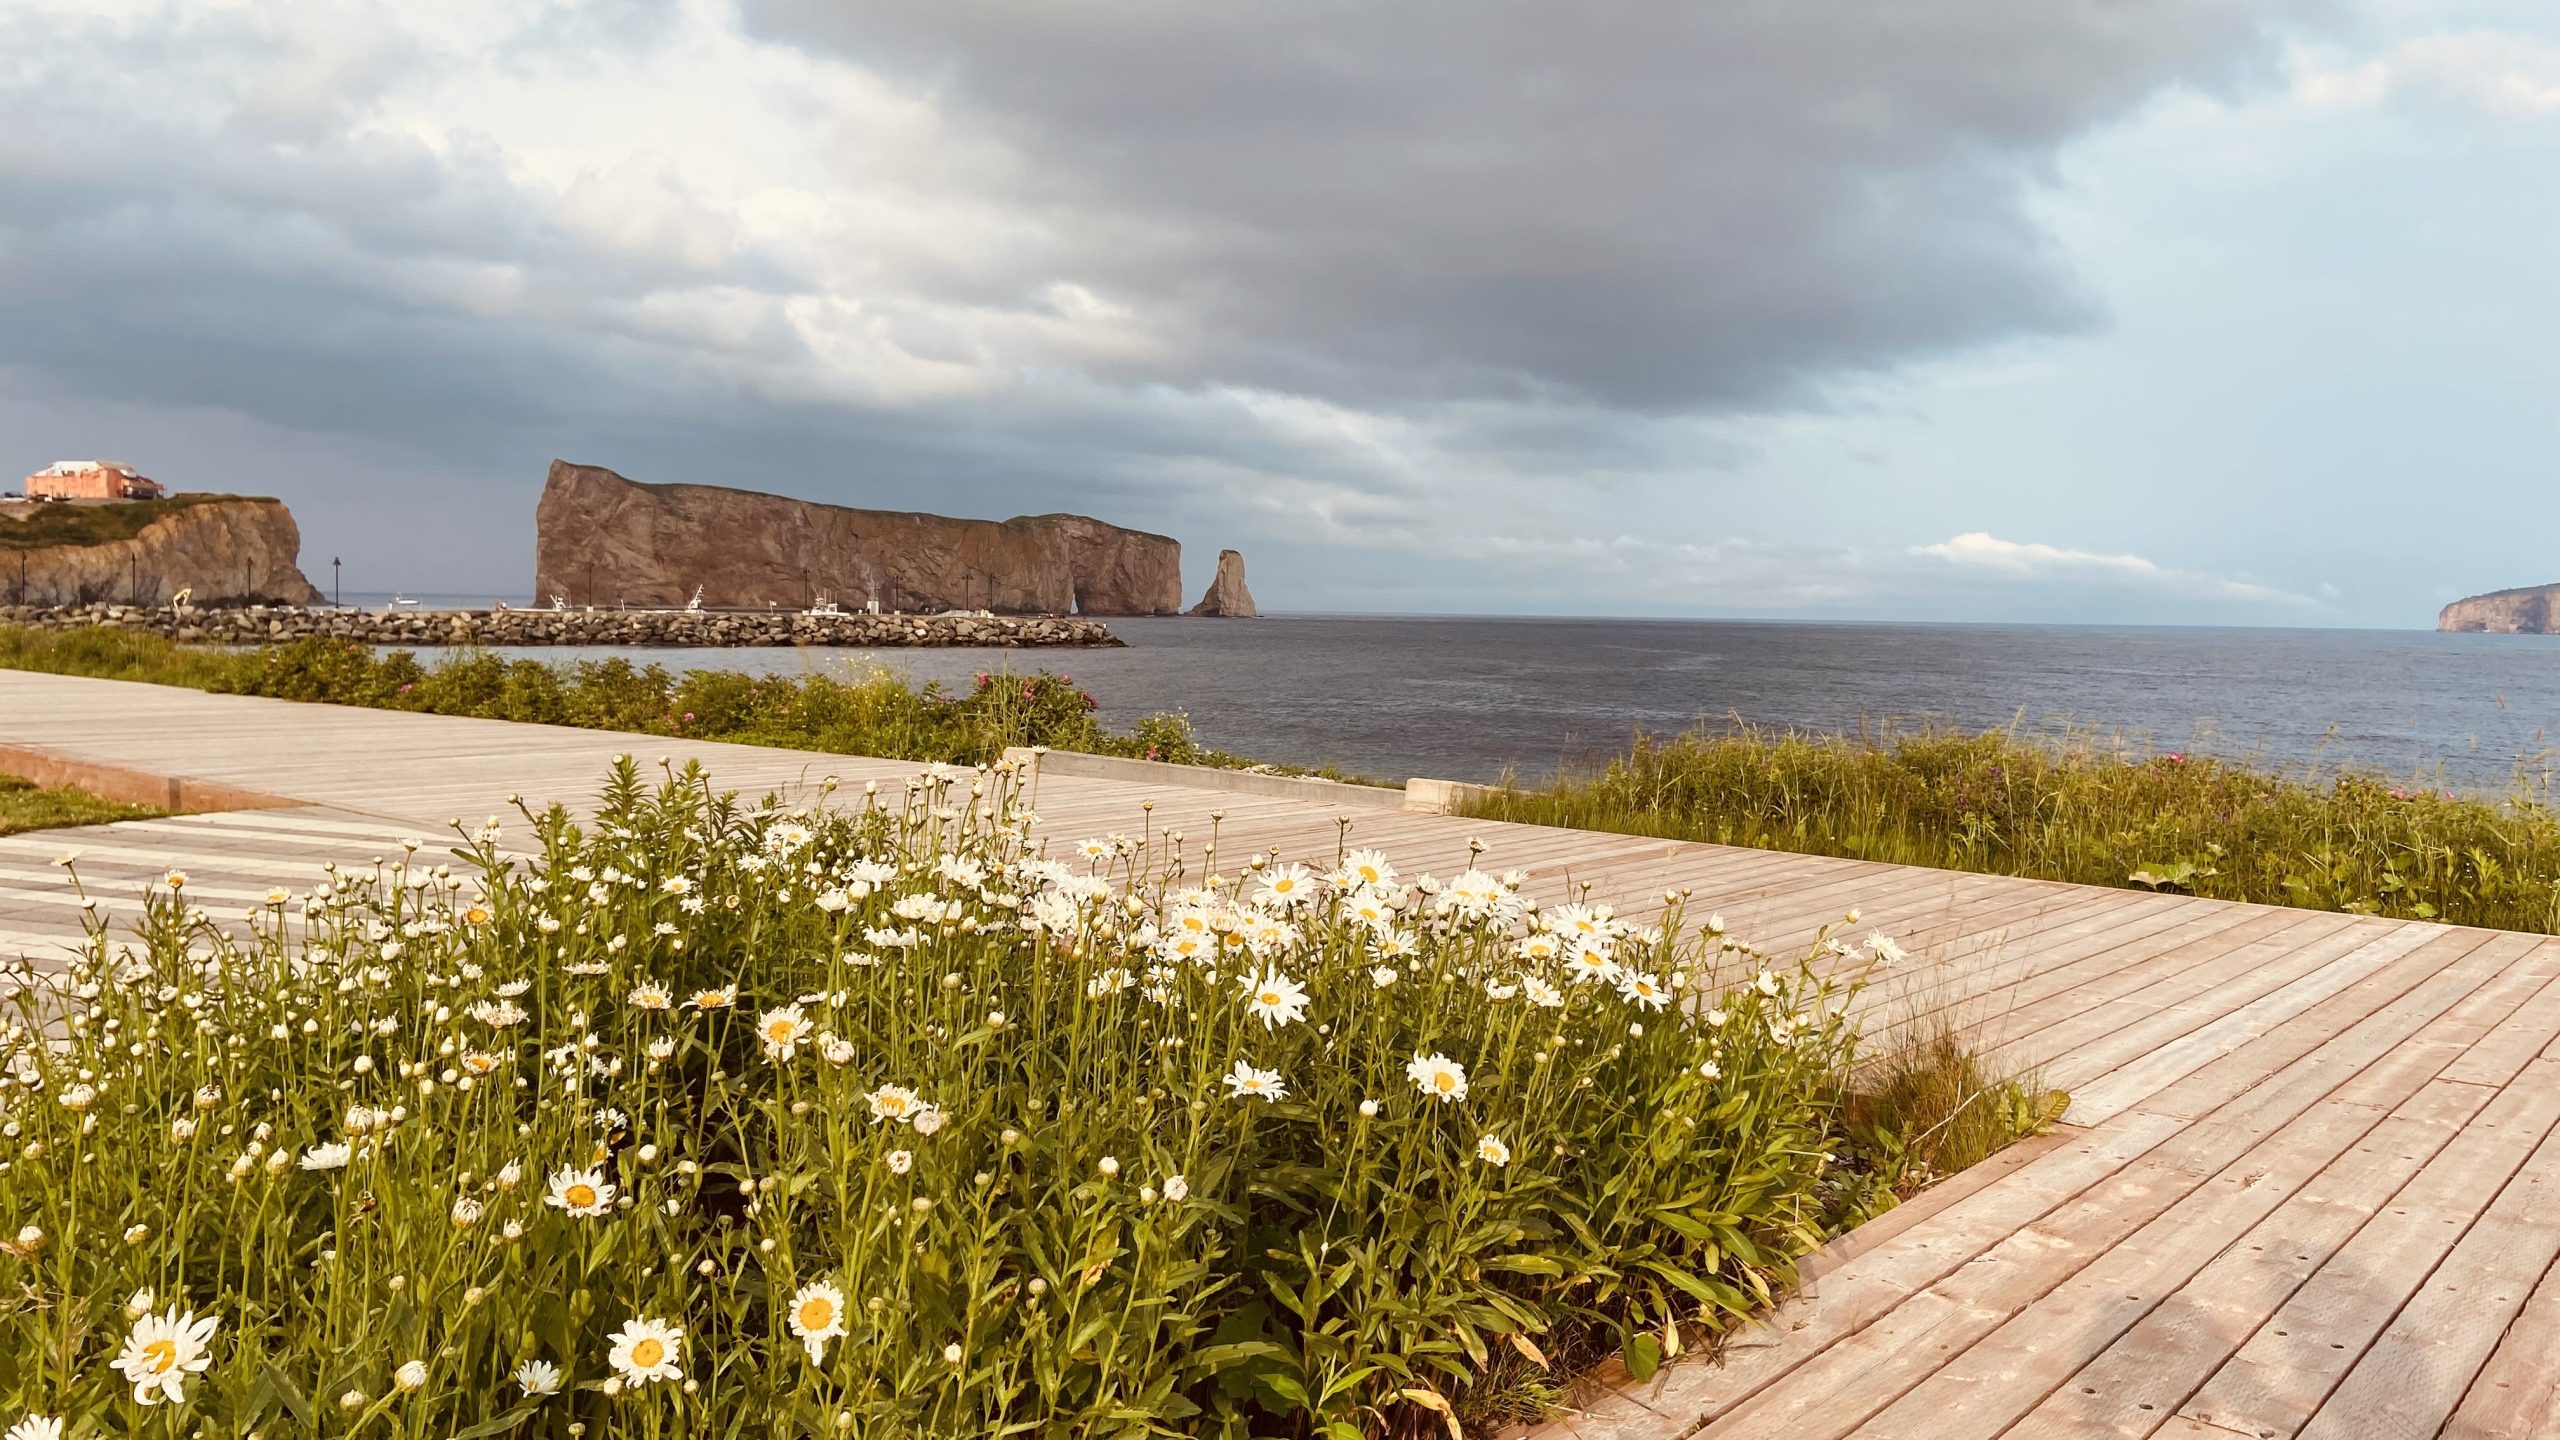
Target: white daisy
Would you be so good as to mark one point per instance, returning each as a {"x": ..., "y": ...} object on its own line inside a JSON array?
[
  {"x": 781, "y": 1030},
  {"x": 1640, "y": 987},
  {"x": 647, "y": 1349},
  {"x": 163, "y": 1350},
  {"x": 580, "y": 1192},
  {"x": 1438, "y": 1076},
  {"x": 1246, "y": 1081},
  {"x": 1366, "y": 867},
  {"x": 1286, "y": 886},
  {"x": 817, "y": 1316},
  {"x": 333, "y": 1155},
  {"x": 894, "y": 1102},
  {"x": 1275, "y": 999},
  {"x": 539, "y": 1378},
  {"x": 1493, "y": 1152}
]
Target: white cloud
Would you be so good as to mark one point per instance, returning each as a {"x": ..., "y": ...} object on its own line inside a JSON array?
[
  {"x": 2033, "y": 561},
  {"x": 2492, "y": 72}
]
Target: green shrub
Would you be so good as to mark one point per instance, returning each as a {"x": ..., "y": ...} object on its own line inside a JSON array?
[
  {"x": 850, "y": 713},
  {"x": 1005, "y": 1115}
]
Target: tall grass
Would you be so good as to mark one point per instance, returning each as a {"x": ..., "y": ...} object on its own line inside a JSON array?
[{"x": 1995, "y": 802}]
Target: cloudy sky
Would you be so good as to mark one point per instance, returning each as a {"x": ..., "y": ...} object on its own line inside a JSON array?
[{"x": 2227, "y": 311}]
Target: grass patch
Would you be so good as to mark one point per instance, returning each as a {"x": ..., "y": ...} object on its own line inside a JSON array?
[
  {"x": 39, "y": 525},
  {"x": 2348, "y": 840},
  {"x": 878, "y": 1119},
  {"x": 852, "y": 713},
  {"x": 25, "y": 806},
  {"x": 1930, "y": 1106}
]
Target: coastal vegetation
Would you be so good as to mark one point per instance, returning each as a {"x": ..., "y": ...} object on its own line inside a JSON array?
[
  {"x": 880, "y": 1117},
  {"x": 2000, "y": 803},
  {"x": 40, "y": 525},
  {"x": 25, "y": 805},
  {"x": 852, "y": 712}
]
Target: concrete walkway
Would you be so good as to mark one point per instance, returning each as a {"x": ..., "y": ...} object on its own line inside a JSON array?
[{"x": 2306, "y": 1188}]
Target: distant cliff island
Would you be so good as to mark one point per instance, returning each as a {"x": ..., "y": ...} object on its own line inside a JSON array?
[
  {"x": 2526, "y": 610},
  {"x": 602, "y": 539}
]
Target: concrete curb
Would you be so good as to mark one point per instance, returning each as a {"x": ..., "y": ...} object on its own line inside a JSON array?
[
  {"x": 177, "y": 794},
  {"x": 1420, "y": 797}
]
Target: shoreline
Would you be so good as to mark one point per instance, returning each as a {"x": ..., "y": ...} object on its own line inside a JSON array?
[{"x": 704, "y": 629}]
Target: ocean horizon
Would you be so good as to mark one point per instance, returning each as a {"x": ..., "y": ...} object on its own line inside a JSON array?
[{"x": 1479, "y": 697}]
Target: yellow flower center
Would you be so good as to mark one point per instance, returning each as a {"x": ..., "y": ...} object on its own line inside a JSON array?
[
  {"x": 164, "y": 1356},
  {"x": 817, "y": 1313},
  {"x": 1270, "y": 997},
  {"x": 1444, "y": 1082},
  {"x": 580, "y": 1195},
  {"x": 778, "y": 1030},
  {"x": 648, "y": 1353}
]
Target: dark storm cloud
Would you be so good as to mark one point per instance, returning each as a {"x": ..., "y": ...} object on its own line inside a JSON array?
[
  {"x": 1656, "y": 205},
  {"x": 1379, "y": 265}
]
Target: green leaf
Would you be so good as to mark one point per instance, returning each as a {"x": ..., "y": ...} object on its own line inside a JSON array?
[
  {"x": 1644, "y": 1356},
  {"x": 498, "y": 1425}
]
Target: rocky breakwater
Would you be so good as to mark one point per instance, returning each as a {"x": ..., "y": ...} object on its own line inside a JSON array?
[
  {"x": 601, "y": 539},
  {"x": 276, "y": 625},
  {"x": 2529, "y": 610},
  {"x": 144, "y": 552}
]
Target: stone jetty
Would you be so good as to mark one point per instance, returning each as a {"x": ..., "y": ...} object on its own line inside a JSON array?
[{"x": 280, "y": 624}]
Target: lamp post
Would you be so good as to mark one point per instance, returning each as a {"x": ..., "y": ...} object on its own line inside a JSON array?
[{"x": 337, "y": 597}]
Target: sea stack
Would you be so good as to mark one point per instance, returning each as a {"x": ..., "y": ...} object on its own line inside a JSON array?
[{"x": 1226, "y": 595}]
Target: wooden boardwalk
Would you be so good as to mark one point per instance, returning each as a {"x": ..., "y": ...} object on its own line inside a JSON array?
[{"x": 2310, "y": 1183}]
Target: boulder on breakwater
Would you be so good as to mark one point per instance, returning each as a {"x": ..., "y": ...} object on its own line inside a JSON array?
[{"x": 282, "y": 624}]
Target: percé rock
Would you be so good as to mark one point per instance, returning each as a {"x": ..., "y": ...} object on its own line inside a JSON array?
[
  {"x": 282, "y": 624},
  {"x": 219, "y": 547},
  {"x": 601, "y": 539},
  {"x": 1226, "y": 594},
  {"x": 2529, "y": 610}
]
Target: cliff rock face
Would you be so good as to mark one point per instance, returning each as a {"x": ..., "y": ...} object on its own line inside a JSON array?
[
  {"x": 221, "y": 547},
  {"x": 1226, "y": 594},
  {"x": 2532, "y": 610},
  {"x": 603, "y": 540}
]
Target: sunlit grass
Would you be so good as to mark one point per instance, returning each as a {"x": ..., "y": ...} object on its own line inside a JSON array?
[
  {"x": 25, "y": 805},
  {"x": 2347, "y": 839}
]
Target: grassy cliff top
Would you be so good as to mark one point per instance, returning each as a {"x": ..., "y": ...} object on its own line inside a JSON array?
[{"x": 34, "y": 525}]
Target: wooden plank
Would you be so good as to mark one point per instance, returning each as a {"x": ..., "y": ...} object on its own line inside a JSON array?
[
  {"x": 2178, "y": 1333},
  {"x": 1832, "y": 1393},
  {"x": 2147, "y": 1004},
  {"x": 2516, "y": 1396},
  {"x": 1996, "y": 1382},
  {"x": 2395, "y": 1000},
  {"x": 2410, "y": 1380},
  {"x": 2281, "y": 1376}
]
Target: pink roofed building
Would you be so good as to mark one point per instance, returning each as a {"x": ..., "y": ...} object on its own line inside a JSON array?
[{"x": 91, "y": 480}]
